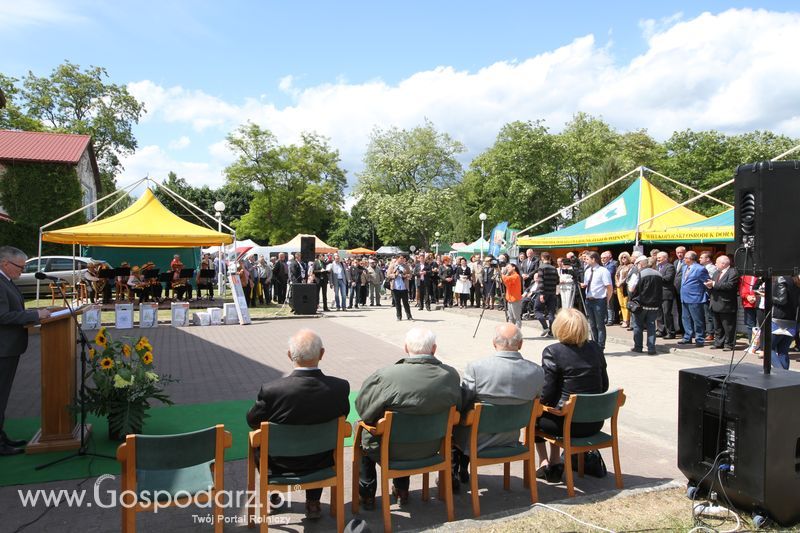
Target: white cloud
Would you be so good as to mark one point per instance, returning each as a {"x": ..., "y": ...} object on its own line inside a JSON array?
[
  {"x": 180, "y": 143},
  {"x": 152, "y": 161},
  {"x": 17, "y": 15},
  {"x": 728, "y": 71}
]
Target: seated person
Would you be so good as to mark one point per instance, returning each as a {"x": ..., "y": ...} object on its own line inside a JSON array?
[
  {"x": 573, "y": 365},
  {"x": 136, "y": 286},
  {"x": 530, "y": 296},
  {"x": 504, "y": 378},
  {"x": 153, "y": 285},
  {"x": 306, "y": 396},
  {"x": 181, "y": 287},
  {"x": 418, "y": 384}
]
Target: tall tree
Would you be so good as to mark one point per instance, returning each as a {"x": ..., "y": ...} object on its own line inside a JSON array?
[
  {"x": 83, "y": 101},
  {"x": 407, "y": 182},
  {"x": 298, "y": 188},
  {"x": 520, "y": 178},
  {"x": 12, "y": 115}
]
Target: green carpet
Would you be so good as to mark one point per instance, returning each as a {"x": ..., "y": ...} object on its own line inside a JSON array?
[{"x": 19, "y": 469}]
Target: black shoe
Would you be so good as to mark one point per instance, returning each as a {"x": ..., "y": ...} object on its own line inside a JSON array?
[
  {"x": 554, "y": 473},
  {"x": 653, "y": 352},
  {"x": 671, "y": 336},
  {"x": 11, "y": 442},
  {"x": 684, "y": 341},
  {"x": 400, "y": 495},
  {"x": 545, "y": 333},
  {"x": 409, "y": 317},
  {"x": 326, "y": 309},
  {"x": 637, "y": 350},
  {"x": 714, "y": 347},
  {"x": 313, "y": 511},
  {"x": 659, "y": 334},
  {"x": 541, "y": 473},
  {"x": 5, "y": 449}
]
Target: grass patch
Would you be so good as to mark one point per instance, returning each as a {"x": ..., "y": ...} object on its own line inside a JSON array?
[{"x": 659, "y": 510}]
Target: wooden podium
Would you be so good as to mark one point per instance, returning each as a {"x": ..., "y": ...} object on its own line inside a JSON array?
[{"x": 59, "y": 431}]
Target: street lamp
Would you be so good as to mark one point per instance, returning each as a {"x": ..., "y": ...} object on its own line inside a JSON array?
[
  {"x": 372, "y": 231},
  {"x": 482, "y": 216},
  {"x": 437, "y": 234},
  {"x": 219, "y": 207}
]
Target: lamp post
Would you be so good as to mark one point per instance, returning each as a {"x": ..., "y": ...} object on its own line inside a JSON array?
[
  {"x": 437, "y": 234},
  {"x": 219, "y": 207},
  {"x": 482, "y": 216},
  {"x": 371, "y": 229}
]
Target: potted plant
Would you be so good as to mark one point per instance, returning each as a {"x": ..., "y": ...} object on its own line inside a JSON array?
[{"x": 122, "y": 382}]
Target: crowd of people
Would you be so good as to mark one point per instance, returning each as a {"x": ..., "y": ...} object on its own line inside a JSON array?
[{"x": 421, "y": 384}]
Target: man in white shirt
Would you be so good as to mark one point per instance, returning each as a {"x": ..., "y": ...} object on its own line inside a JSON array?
[
  {"x": 597, "y": 282},
  {"x": 338, "y": 276}
]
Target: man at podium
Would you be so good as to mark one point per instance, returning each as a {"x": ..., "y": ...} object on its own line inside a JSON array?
[{"x": 14, "y": 335}]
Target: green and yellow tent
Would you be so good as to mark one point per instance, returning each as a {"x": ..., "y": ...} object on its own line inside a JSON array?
[
  {"x": 718, "y": 228},
  {"x": 632, "y": 213}
]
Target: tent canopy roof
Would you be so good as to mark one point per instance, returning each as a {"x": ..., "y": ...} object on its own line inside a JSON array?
[
  {"x": 320, "y": 247},
  {"x": 145, "y": 224},
  {"x": 361, "y": 251},
  {"x": 390, "y": 250},
  {"x": 617, "y": 222}
]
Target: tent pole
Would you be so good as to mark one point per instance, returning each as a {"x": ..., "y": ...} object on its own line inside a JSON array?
[
  {"x": 726, "y": 204},
  {"x": 86, "y": 206},
  {"x": 118, "y": 200},
  {"x": 212, "y": 217},
  {"x": 521, "y": 233},
  {"x": 787, "y": 152},
  {"x": 183, "y": 204},
  {"x": 39, "y": 267}
]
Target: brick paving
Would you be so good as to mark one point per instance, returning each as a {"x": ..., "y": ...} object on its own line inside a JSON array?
[{"x": 230, "y": 362}]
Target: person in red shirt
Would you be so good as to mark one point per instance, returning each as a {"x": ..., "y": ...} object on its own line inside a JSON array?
[
  {"x": 747, "y": 286},
  {"x": 513, "y": 282}
]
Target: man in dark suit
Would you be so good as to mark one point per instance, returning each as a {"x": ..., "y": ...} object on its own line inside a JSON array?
[
  {"x": 13, "y": 335},
  {"x": 528, "y": 268},
  {"x": 723, "y": 293},
  {"x": 306, "y": 396},
  {"x": 280, "y": 277},
  {"x": 679, "y": 264},
  {"x": 666, "y": 322}
]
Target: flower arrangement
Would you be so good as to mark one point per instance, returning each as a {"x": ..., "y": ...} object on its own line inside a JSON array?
[{"x": 124, "y": 382}]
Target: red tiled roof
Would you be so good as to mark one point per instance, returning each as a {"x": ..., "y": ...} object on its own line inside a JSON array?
[
  {"x": 42, "y": 147},
  {"x": 5, "y": 218}
]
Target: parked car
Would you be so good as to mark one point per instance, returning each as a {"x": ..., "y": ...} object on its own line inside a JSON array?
[{"x": 60, "y": 266}]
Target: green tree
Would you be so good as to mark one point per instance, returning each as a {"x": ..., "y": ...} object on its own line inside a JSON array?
[
  {"x": 408, "y": 182},
  {"x": 12, "y": 115},
  {"x": 353, "y": 229},
  {"x": 588, "y": 142},
  {"x": 298, "y": 188},
  {"x": 520, "y": 178}
]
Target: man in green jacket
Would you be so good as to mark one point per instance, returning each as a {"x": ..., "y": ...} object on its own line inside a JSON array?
[{"x": 419, "y": 384}]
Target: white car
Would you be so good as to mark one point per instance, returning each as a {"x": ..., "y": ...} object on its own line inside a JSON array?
[{"x": 60, "y": 266}]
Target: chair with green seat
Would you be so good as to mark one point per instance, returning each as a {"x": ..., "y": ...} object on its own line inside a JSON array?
[
  {"x": 284, "y": 440},
  {"x": 588, "y": 408},
  {"x": 175, "y": 470},
  {"x": 398, "y": 429},
  {"x": 486, "y": 418}
]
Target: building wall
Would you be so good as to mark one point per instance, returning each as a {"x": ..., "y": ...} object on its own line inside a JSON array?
[{"x": 2, "y": 171}]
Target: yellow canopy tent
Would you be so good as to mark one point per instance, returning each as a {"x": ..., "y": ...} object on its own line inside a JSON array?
[
  {"x": 619, "y": 221},
  {"x": 146, "y": 224}
]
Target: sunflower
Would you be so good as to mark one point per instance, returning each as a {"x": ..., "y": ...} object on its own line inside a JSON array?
[
  {"x": 126, "y": 350},
  {"x": 91, "y": 353},
  {"x": 106, "y": 363},
  {"x": 101, "y": 339},
  {"x": 147, "y": 358}
]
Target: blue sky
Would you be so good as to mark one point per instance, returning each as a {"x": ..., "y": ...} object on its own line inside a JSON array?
[{"x": 343, "y": 68}]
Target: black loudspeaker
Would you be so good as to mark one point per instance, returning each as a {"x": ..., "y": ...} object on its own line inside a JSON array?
[
  {"x": 307, "y": 249},
  {"x": 764, "y": 217},
  {"x": 756, "y": 426},
  {"x": 304, "y": 298}
]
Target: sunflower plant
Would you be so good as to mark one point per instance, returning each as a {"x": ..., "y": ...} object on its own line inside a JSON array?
[{"x": 123, "y": 382}]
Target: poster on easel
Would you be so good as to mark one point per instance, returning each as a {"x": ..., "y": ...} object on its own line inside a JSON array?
[
  {"x": 180, "y": 314},
  {"x": 90, "y": 318},
  {"x": 148, "y": 315},
  {"x": 124, "y": 316},
  {"x": 239, "y": 299}
]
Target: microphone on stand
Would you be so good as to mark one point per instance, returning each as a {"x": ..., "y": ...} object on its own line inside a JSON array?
[{"x": 43, "y": 276}]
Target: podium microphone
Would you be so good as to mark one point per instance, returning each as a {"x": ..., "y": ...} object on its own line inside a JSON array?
[{"x": 43, "y": 276}]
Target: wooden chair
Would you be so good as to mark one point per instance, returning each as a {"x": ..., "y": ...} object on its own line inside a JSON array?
[
  {"x": 283, "y": 440},
  {"x": 186, "y": 463},
  {"x": 588, "y": 408},
  {"x": 402, "y": 428},
  {"x": 81, "y": 293},
  {"x": 55, "y": 293},
  {"x": 488, "y": 418}
]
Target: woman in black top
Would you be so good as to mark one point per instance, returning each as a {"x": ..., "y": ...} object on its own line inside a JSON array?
[{"x": 574, "y": 365}]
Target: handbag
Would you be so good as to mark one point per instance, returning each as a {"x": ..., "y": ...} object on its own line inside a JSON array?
[
  {"x": 633, "y": 306},
  {"x": 593, "y": 463}
]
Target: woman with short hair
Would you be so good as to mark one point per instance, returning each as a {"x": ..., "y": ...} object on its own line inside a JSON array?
[
  {"x": 621, "y": 276},
  {"x": 573, "y": 365}
]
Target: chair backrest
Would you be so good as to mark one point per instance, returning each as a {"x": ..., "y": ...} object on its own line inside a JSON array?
[
  {"x": 170, "y": 452},
  {"x": 503, "y": 418},
  {"x": 411, "y": 429},
  {"x": 595, "y": 407},
  {"x": 296, "y": 440}
]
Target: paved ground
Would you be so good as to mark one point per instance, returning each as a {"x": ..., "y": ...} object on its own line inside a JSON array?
[{"x": 230, "y": 362}]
